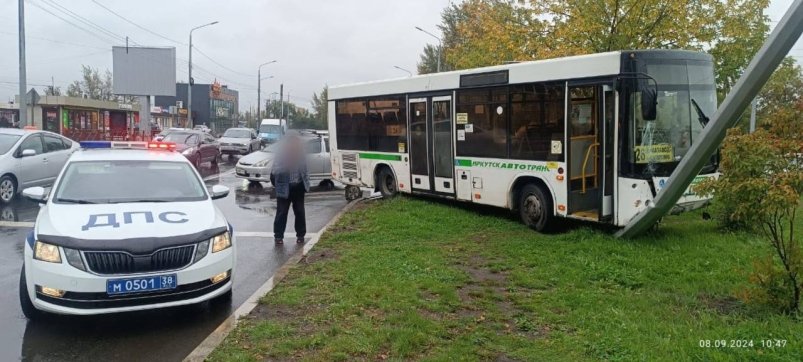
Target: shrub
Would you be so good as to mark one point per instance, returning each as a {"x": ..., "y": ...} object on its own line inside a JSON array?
[{"x": 760, "y": 187}]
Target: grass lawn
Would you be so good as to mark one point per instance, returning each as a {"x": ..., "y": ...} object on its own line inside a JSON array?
[{"x": 416, "y": 279}]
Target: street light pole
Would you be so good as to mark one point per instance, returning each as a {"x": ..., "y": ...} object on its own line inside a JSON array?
[
  {"x": 190, "y": 82},
  {"x": 440, "y": 45},
  {"x": 403, "y": 70},
  {"x": 259, "y": 88},
  {"x": 23, "y": 121}
]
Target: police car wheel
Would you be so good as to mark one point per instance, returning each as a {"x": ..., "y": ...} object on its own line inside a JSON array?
[
  {"x": 8, "y": 189},
  {"x": 28, "y": 309}
]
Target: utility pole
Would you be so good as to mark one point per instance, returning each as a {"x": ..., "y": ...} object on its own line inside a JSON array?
[
  {"x": 753, "y": 115},
  {"x": 23, "y": 121},
  {"x": 281, "y": 99},
  {"x": 190, "y": 82}
]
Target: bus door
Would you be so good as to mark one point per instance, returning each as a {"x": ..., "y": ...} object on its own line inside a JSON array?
[
  {"x": 431, "y": 150},
  {"x": 590, "y": 160}
]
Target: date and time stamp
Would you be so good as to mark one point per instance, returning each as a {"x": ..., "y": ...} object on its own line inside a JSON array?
[{"x": 768, "y": 343}]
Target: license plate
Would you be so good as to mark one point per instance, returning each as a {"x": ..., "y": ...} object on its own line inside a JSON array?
[
  {"x": 242, "y": 172},
  {"x": 142, "y": 284}
]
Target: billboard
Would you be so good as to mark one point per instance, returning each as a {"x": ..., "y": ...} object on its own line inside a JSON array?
[{"x": 144, "y": 71}]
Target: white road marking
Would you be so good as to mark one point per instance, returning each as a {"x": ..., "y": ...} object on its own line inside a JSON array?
[{"x": 269, "y": 234}]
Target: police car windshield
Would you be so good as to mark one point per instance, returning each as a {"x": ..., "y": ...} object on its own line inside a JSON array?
[
  {"x": 111, "y": 182},
  {"x": 6, "y": 141}
]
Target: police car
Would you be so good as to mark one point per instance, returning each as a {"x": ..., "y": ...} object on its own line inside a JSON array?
[{"x": 127, "y": 226}]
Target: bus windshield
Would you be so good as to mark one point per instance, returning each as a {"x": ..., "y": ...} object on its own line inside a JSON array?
[{"x": 686, "y": 99}]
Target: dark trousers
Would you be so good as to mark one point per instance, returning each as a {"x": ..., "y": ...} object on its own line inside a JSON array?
[{"x": 283, "y": 206}]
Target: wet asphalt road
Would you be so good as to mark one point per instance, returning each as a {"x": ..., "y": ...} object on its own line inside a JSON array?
[{"x": 164, "y": 335}]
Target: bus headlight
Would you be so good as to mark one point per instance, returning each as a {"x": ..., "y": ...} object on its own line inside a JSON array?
[
  {"x": 221, "y": 242},
  {"x": 46, "y": 252}
]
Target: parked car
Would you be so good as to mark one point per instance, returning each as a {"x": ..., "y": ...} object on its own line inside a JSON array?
[
  {"x": 196, "y": 146},
  {"x": 164, "y": 133},
  {"x": 202, "y": 128},
  {"x": 30, "y": 158},
  {"x": 256, "y": 166},
  {"x": 240, "y": 141}
]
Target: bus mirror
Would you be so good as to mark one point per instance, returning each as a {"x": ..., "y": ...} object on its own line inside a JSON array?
[{"x": 649, "y": 103}]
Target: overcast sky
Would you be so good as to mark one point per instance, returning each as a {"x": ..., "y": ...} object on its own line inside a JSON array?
[{"x": 316, "y": 42}]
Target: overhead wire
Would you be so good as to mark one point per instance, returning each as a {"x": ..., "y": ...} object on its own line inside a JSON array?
[
  {"x": 95, "y": 34},
  {"x": 137, "y": 25},
  {"x": 70, "y": 13}
]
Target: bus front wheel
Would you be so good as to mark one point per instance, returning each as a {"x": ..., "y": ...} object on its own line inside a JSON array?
[
  {"x": 535, "y": 208},
  {"x": 386, "y": 183}
]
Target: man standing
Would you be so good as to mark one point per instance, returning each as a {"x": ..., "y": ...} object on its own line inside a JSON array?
[{"x": 291, "y": 181}]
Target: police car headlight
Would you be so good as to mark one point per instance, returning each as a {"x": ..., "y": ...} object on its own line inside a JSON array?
[
  {"x": 263, "y": 163},
  {"x": 46, "y": 252},
  {"x": 221, "y": 242}
]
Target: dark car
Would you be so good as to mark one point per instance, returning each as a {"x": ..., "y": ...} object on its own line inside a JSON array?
[{"x": 197, "y": 146}]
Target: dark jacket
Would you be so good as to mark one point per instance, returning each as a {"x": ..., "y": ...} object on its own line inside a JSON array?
[{"x": 280, "y": 175}]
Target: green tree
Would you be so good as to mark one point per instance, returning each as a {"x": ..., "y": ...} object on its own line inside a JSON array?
[
  {"x": 320, "y": 105},
  {"x": 92, "y": 85}
]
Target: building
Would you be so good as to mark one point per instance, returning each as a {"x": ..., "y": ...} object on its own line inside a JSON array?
[
  {"x": 167, "y": 117},
  {"x": 82, "y": 118},
  {"x": 9, "y": 114},
  {"x": 214, "y": 105}
]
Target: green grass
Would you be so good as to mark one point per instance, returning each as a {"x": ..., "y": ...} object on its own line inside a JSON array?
[{"x": 415, "y": 279}]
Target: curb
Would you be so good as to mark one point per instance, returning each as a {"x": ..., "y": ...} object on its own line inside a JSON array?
[{"x": 203, "y": 350}]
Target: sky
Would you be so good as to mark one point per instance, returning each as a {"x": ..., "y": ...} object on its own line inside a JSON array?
[{"x": 315, "y": 42}]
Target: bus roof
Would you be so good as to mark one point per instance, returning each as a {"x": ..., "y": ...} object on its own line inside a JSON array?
[{"x": 574, "y": 67}]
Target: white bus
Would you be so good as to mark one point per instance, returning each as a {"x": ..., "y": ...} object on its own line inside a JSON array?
[{"x": 590, "y": 137}]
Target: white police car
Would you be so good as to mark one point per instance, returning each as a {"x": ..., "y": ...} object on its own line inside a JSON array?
[{"x": 127, "y": 226}]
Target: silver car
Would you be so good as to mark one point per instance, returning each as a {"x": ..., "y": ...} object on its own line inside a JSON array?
[
  {"x": 30, "y": 158},
  {"x": 238, "y": 141},
  {"x": 256, "y": 166}
]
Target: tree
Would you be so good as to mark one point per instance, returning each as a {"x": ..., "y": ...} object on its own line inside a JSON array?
[
  {"x": 450, "y": 17},
  {"x": 320, "y": 105},
  {"x": 52, "y": 91},
  {"x": 92, "y": 85}
]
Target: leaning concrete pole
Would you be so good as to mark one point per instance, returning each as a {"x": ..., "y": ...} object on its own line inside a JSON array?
[{"x": 758, "y": 71}]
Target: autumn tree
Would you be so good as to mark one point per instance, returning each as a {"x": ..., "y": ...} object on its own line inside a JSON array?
[{"x": 490, "y": 32}]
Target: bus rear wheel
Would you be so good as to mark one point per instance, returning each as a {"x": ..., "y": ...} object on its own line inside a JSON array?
[
  {"x": 387, "y": 183},
  {"x": 535, "y": 208}
]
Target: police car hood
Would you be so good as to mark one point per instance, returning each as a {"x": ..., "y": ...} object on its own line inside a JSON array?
[{"x": 133, "y": 227}]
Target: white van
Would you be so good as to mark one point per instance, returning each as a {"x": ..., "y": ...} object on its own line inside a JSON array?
[{"x": 271, "y": 130}]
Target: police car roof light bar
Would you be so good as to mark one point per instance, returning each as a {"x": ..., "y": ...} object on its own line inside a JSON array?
[
  {"x": 95, "y": 144},
  {"x": 169, "y": 146}
]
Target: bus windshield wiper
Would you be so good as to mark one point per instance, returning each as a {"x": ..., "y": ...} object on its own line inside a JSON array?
[
  {"x": 74, "y": 201},
  {"x": 700, "y": 115}
]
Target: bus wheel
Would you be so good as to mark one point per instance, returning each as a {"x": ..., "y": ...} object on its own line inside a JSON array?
[
  {"x": 386, "y": 183},
  {"x": 535, "y": 208},
  {"x": 353, "y": 193}
]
